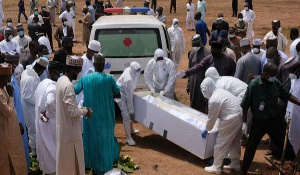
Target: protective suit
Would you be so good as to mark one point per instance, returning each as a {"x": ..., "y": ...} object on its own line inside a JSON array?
[
  {"x": 224, "y": 106},
  {"x": 29, "y": 82},
  {"x": 177, "y": 42},
  {"x": 160, "y": 75},
  {"x": 233, "y": 85},
  {"x": 46, "y": 131},
  {"x": 190, "y": 7},
  {"x": 127, "y": 83},
  {"x": 249, "y": 17}
]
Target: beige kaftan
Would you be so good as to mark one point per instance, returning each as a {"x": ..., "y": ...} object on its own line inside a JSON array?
[
  {"x": 86, "y": 22},
  {"x": 69, "y": 157},
  {"x": 11, "y": 145}
]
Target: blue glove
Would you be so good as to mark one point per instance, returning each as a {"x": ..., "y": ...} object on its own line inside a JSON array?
[{"x": 204, "y": 132}]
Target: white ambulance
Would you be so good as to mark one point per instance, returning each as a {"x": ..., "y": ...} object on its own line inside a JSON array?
[{"x": 127, "y": 38}]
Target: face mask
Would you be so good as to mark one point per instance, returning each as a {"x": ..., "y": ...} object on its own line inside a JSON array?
[
  {"x": 65, "y": 23},
  {"x": 271, "y": 79},
  {"x": 160, "y": 63},
  {"x": 21, "y": 33},
  {"x": 46, "y": 56},
  {"x": 279, "y": 29},
  {"x": 256, "y": 50},
  {"x": 293, "y": 76},
  {"x": 231, "y": 35},
  {"x": 9, "y": 24},
  {"x": 240, "y": 19},
  {"x": 247, "y": 8},
  {"x": 36, "y": 13},
  {"x": 175, "y": 25},
  {"x": 196, "y": 48},
  {"x": 205, "y": 94}
]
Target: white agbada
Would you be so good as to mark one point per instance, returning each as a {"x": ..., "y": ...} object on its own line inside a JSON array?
[
  {"x": 68, "y": 16},
  {"x": 69, "y": 155},
  {"x": 160, "y": 76},
  {"x": 293, "y": 51},
  {"x": 249, "y": 17},
  {"x": 231, "y": 84},
  {"x": 46, "y": 131},
  {"x": 281, "y": 40},
  {"x": 190, "y": 16},
  {"x": 29, "y": 82},
  {"x": 225, "y": 106},
  {"x": 30, "y": 19},
  {"x": 43, "y": 40},
  {"x": 201, "y": 7},
  {"x": 6, "y": 47},
  {"x": 177, "y": 42},
  {"x": 24, "y": 46},
  {"x": 260, "y": 54},
  {"x": 1, "y": 14}
]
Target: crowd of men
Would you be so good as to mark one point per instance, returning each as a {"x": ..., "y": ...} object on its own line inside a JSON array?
[{"x": 52, "y": 109}]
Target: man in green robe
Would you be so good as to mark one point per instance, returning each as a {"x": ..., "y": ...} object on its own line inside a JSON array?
[{"x": 100, "y": 145}]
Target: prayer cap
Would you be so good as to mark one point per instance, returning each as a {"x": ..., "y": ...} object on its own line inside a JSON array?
[
  {"x": 99, "y": 58},
  {"x": 245, "y": 42},
  {"x": 73, "y": 60},
  {"x": 42, "y": 61},
  {"x": 256, "y": 42},
  {"x": 223, "y": 34},
  {"x": 5, "y": 69},
  {"x": 291, "y": 61},
  {"x": 217, "y": 45},
  {"x": 11, "y": 57},
  {"x": 219, "y": 21},
  {"x": 20, "y": 27},
  {"x": 196, "y": 39},
  {"x": 95, "y": 46}
]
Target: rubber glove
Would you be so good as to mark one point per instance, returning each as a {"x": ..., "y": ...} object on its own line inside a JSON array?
[
  {"x": 180, "y": 74},
  {"x": 204, "y": 132}
]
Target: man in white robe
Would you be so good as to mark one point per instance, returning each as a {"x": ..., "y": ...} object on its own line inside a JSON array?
[
  {"x": 35, "y": 14},
  {"x": 256, "y": 48},
  {"x": 249, "y": 17},
  {"x": 45, "y": 120},
  {"x": 69, "y": 155},
  {"x": 8, "y": 45},
  {"x": 29, "y": 81},
  {"x": 68, "y": 15},
  {"x": 23, "y": 41}
]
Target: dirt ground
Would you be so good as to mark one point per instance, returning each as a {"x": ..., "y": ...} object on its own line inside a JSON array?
[{"x": 154, "y": 154}]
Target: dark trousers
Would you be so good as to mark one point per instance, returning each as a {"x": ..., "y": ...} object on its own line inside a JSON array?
[
  {"x": 48, "y": 32},
  {"x": 234, "y": 8},
  {"x": 173, "y": 5},
  {"x": 274, "y": 127},
  {"x": 153, "y": 5},
  {"x": 20, "y": 16}
]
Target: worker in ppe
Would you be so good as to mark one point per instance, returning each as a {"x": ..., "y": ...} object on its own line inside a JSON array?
[
  {"x": 160, "y": 75},
  {"x": 224, "y": 106},
  {"x": 127, "y": 83},
  {"x": 231, "y": 84},
  {"x": 177, "y": 42}
]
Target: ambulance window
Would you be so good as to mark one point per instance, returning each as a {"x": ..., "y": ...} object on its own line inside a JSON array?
[{"x": 129, "y": 43}]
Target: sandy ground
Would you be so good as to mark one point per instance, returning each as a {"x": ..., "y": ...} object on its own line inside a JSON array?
[{"x": 154, "y": 154}]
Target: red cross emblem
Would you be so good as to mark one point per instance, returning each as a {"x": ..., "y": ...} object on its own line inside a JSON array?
[{"x": 127, "y": 42}]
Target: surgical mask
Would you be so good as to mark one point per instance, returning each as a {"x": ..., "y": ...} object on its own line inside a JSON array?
[
  {"x": 196, "y": 48},
  {"x": 256, "y": 50},
  {"x": 231, "y": 35},
  {"x": 206, "y": 94},
  {"x": 175, "y": 25},
  {"x": 292, "y": 76},
  {"x": 160, "y": 63},
  {"x": 271, "y": 79},
  {"x": 65, "y": 23},
  {"x": 9, "y": 24},
  {"x": 21, "y": 33},
  {"x": 43, "y": 9},
  {"x": 36, "y": 13},
  {"x": 46, "y": 56},
  {"x": 279, "y": 29},
  {"x": 247, "y": 8},
  {"x": 240, "y": 19}
]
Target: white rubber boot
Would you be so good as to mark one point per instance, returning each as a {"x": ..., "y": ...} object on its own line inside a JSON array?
[
  {"x": 215, "y": 168},
  {"x": 234, "y": 165},
  {"x": 134, "y": 131},
  {"x": 129, "y": 139}
]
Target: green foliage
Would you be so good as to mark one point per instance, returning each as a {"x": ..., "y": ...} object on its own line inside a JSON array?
[
  {"x": 126, "y": 164},
  {"x": 34, "y": 168}
]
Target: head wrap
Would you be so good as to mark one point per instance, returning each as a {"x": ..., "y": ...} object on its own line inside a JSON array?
[
  {"x": 73, "y": 60},
  {"x": 175, "y": 20},
  {"x": 95, "y": 46},
  {"x": 5, "y": 69},
  {"x": 158, "y": 53},
  {"x": 212, "y": 73}
]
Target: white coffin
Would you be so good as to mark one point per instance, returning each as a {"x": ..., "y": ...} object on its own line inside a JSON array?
[{"x": 176, "y": 122}]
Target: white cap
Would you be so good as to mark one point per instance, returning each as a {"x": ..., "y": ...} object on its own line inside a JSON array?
[
  {"x": 95, "y": 46},
  {"x": 291, "y": 61},
  {"x": 244, "y": 42},
  {"x": 42, "y": 61},
  {"x": 73, "y": 60},
  {"x": 257, "y": 42}
]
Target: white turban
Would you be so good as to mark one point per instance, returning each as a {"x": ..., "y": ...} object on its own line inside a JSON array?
[{"x": 95, "y": 46}]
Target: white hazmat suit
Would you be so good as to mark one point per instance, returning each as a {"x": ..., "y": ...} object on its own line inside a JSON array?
[
  {"x": 46, "y": 131},
  {"x": 127, "y": 83},
  {"x": 29, "y": 82},
  {"x": 160, "y": 75},
  {"x": 224, "y": 106},
  {"x": 190, "y": 7},
  {"x": 177, "y": 42}
]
